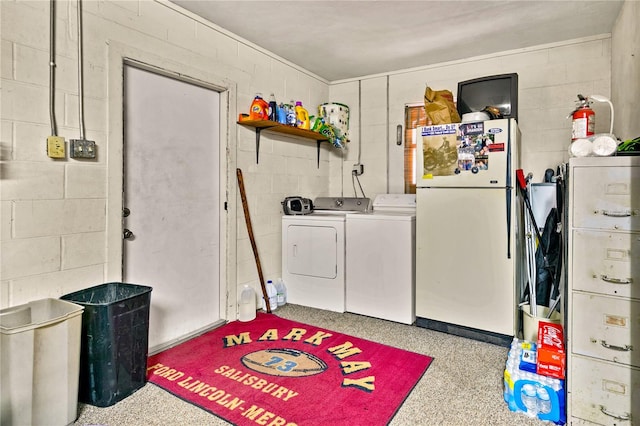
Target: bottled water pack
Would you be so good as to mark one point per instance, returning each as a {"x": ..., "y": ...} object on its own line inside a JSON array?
[{"x": 528, "y": 392}]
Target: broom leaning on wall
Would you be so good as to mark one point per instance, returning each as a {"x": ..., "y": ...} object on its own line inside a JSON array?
[{"x": 247, "y": 219}]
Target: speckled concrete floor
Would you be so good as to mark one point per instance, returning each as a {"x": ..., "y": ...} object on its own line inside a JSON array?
[{"x": 463, "y": 385}]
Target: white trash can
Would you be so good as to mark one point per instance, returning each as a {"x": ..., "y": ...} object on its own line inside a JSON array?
[{"x": 40, "y": 362}]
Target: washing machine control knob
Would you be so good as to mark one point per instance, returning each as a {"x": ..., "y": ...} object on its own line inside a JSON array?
[{"x": 339, "y": 202}]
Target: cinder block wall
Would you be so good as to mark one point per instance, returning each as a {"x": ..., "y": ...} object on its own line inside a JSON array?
[
  {"x": 550, "y": 77},
  {"x": 54, "y": 212},
  {"x": 625, "y": 71}
]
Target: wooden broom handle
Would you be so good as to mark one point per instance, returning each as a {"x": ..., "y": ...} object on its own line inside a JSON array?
[{"x": 247, "y": 218}]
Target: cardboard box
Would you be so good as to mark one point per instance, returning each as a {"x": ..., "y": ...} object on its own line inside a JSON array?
[{"x": 551, "y": 359}]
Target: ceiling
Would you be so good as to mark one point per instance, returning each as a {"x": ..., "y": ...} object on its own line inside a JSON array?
[{"x": 339, "y": 40}]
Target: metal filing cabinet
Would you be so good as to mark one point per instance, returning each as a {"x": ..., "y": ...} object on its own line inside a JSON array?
[{"x": 603, "y": 305}]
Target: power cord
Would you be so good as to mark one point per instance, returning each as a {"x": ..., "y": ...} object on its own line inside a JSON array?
[{"x": 354, "y": 174}]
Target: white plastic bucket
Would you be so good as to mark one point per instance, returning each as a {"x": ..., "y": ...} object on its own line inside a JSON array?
[
  {"x": 337, "y": 115},
  {"x": 530, "y": 323}
]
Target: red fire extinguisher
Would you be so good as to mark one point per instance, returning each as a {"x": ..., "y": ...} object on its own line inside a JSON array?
[{"x": 584, "y": 119}]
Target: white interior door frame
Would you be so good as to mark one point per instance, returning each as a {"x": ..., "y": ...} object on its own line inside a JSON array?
[{"x": 119, "y": 55}]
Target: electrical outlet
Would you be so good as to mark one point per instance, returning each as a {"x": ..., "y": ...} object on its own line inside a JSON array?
[
  {"x": 358, "y": 169},
  {"x": 81, "y": 148},
  {"x": 55, "y": 147}
]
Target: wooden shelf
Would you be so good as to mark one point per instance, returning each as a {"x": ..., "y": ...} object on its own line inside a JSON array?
[{"x": 273, "y": 126}]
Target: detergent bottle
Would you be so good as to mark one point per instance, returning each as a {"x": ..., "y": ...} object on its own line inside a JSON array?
[
  {"x": 302, "y": 116},
  {"x": 282, "y": 113},
  {"x": 273, "y": 108},
  {"x": 291, "y": 114},
  {"x": 259, "y": 108}
]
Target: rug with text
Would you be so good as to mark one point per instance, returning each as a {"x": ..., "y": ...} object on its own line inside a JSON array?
[{"x": 273, "y": 371}]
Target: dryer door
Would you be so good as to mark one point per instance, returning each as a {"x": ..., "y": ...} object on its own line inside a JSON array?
[{"x": 312, "y": 250}]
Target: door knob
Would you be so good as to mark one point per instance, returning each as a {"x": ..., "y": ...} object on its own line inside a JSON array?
[
  {"x": 126, "y": 212},
  {"x": 127, "y": 234}
]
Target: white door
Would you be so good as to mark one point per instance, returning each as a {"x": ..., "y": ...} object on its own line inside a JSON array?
[
  {"x": 313, "y": 261},
  {"x": 171, "y": 190},
  {"x": 312, "y": 251},
  {"x": 380, "y": 266},
  {"x": 464, "y": 274}
]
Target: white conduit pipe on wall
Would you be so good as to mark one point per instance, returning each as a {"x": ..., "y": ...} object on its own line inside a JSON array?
[
  {"x": 80, "y": 73},
  {"x": 52, "y": 67},
  {"x": 359, "y": 120},
  {"x": 354, "y": 177},
  {"x": 387, "y": 145}
]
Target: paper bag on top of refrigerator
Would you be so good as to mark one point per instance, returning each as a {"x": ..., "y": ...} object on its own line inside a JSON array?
[{"x": 440, "y": 107}]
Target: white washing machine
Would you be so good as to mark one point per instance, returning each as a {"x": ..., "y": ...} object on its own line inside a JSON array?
[
  {"x": 380, "y": 268},
  {"x": 313, "y": 253}
]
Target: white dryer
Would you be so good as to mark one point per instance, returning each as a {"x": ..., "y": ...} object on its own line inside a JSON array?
[
  {"x": 380, "y": 268},
  {"x": 313, "y": 253}
]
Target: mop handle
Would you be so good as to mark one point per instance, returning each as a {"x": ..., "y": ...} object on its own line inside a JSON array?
[
  {"x": 523, "y": 187},
  {"x": 521, "y": 180}
]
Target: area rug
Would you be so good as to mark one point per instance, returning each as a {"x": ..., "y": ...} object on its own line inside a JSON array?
[{"x": 273, "y": 371}]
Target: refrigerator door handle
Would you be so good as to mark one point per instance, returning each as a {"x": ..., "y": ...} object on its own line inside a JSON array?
[
  {"x": 508, "y": 185},
  {"x": 508, "y": 223}
]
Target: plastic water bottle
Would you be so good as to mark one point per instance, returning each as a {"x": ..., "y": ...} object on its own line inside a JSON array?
[
  {"x": 530, "y": 399},
  {"x": 247, "y": 304},
  {"x": 272, "y": 294},
  {"x": 282, "y": 292},
  {"x": 544, "y": 401}
]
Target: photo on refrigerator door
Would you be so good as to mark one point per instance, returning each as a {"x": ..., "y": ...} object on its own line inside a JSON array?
[
  {"x": 439, "y": 150},
  {"x": 474, "y": 149},
  {"x": 473, "y": 153},
  {"x": 470, "y": 162}
]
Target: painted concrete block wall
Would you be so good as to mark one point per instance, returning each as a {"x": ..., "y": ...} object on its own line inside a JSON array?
[
  {"x": 625, "y": 72},
  {"x": 550, "y": 77},
  {"x": 367, "y": 102},
  {"x": 54, "y": 212}
]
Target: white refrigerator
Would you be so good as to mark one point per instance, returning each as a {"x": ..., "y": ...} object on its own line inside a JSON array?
[{"x": 466, "y": 225}]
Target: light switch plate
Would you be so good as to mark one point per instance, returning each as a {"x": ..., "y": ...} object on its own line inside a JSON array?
[
  {"x": 55, "y": 147},
  {"x": 81, "y": 148}
]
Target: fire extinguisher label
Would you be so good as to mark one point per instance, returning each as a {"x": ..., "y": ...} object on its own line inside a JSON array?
[
  {"x": 583, "y": 127},
  {"x": 579, "y": 129},
  {"x": 584, "y": 123}
]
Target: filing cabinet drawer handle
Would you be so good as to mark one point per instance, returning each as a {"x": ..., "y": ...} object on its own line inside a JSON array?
[
  {"x": 616, "y": 280},
  {"x": 625, "y": 416},
  {"x": 625, "y": 348},
  {"x": 617, "y": 214}
]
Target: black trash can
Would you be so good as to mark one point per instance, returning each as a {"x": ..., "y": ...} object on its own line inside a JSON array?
[{"x": 114, "y": 341}]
